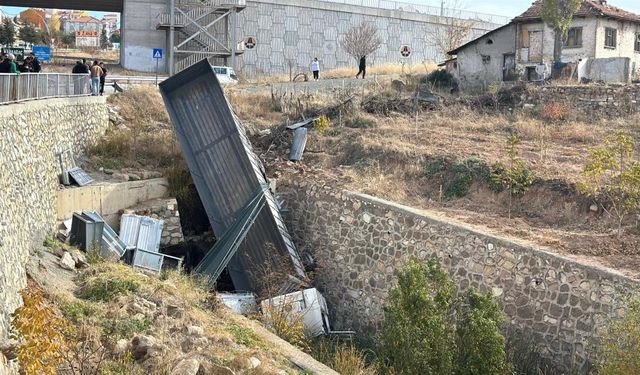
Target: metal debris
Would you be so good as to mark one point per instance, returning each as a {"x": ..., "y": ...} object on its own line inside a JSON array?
[
  {"x": 226, "y": 172},
  {"x": 298, "y": 144},
  {"x": 70, "y": 171}
]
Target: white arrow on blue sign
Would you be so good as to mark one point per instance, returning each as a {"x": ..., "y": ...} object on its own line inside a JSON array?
[{"x": 157, "y": 53}]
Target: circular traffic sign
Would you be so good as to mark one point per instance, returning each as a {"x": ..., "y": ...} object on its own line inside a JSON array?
[
  {"x": 405, "y": 51},
  {"x": 250, "y": 42}
]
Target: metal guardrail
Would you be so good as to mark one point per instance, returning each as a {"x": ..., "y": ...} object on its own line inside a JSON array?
[
  {"x": 134, "y": 79},
  {"x": 31, "y": 86}
]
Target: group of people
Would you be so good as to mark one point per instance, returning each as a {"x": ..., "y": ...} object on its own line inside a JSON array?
[
  {"x": 97, "y": 71},
  {"x": 362, "y": 66},
  {"x": 9, "y": 64}
]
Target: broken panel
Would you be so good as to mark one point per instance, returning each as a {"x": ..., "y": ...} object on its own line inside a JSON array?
[{"x": 225, "y": 171}]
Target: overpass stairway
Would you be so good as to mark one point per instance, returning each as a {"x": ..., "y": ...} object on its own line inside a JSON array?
[{"x": 203, "y": 30}]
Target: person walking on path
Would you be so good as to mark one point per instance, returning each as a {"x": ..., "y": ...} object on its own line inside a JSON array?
[
  {"x": 315, "y": 68},
  {"x": 96, "y": 72},
  {"x": 362, "y": 66},
  {"x": 103, "y": 77}
]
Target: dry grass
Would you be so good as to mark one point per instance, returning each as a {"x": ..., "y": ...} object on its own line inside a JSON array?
[{"x": 348, "y": 72}]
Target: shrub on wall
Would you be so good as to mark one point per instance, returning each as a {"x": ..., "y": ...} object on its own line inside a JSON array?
[{"x": 429, "y": 330}]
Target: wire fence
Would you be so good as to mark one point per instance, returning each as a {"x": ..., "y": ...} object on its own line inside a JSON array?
[
  {"x": 426, "y": 9},
  {"x": 31, "y": 86}
]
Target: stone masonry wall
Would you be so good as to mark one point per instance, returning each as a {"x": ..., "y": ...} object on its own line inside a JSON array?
[
  {"x": 166, "y": 210},
  {"x": 31, "y": 134},
  {"x": 360, "y": 241},
  {"x": 588, "y": 101}
]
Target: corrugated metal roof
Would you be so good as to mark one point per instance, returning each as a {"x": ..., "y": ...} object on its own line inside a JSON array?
[{"x": 225, "y": 170}]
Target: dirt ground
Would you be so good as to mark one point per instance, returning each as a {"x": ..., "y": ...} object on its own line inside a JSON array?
[{"x": 390, "y": 157}]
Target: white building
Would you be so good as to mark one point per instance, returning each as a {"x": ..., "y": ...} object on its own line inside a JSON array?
[{"x": 603, "y": 42}]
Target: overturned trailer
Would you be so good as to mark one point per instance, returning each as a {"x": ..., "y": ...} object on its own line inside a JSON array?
[{"x": 230, "y": 180}]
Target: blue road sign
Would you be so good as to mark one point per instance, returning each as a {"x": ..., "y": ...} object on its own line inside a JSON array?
[
  {"x": 43, "y": 53},
  {"x": 157, "y": 53}
]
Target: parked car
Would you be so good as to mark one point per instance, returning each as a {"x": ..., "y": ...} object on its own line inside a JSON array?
[{"x": 225, "y": 75}]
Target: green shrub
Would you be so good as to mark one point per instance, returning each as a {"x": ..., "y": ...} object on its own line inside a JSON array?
[
  {"x": 621, "y": 344},
  {"x": 106, "y": 281},
  {"x": 428, "y": 330},
  {"x": 417, "y": 337},
  {"x": 481, "y": 345},
  {"x": 360, "y": 123},
  {"x": 76, "y": 311},
  {"x": 117, "y": 328},
  {"x": 244, "y": 336},
  {"x": 461, "y": 182},
  {"x": 440, "y": 78},
  {"x": 108, "y": 289},
  {"x": 435, "y": 168}
]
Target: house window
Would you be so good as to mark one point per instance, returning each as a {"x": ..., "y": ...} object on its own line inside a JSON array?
[
  {"x": 610, "y": 38},
  {"x": 637, "y": 43},
  {"x": 574, "y": 37}
]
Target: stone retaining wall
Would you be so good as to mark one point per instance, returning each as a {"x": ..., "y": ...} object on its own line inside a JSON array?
[
  {"x": 163, "y": 209},
  {"x": 588, "y": 101},
  {"x": 359, "y": 241},
  {"x": 31, "y": 135}
]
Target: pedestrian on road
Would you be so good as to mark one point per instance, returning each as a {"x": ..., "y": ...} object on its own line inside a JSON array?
[
  {"x": 96, "y": 73},
  {"x": 363, "y": 67},
  {"x": 103, "y": 77},
  {"x": 315, "y": 68}
]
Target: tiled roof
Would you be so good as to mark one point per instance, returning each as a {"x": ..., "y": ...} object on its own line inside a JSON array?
[
  {"x": 588, "y": 8},
  {"x": 84, "y": 20}
]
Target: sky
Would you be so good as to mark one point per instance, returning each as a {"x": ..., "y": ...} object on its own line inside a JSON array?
[
  {"x": 510, "y": 8},
  {"x": 13, "y": 11}
]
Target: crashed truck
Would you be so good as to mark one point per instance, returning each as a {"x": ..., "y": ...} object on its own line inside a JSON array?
[{"x": 231, "y": 183}]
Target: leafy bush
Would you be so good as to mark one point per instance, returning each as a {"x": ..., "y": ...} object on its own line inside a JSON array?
[
  {"x": 417, "y": 336},
  {"x": 42, "y": 332},
  {"x": 440, "y": 78},
  {"x": 322, "y": 124},
  {"x": 428, "y": 330},
  {"x": 621, "y": 344},
  {"x": 76, "y": 311},
  {"x": 459, "y": 177},
  {"x": 435, "y": 167}
]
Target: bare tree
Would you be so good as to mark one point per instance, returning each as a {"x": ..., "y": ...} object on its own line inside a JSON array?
[
  {"x": 455, "y": 30},
  {"x": 361, "y": 40}
]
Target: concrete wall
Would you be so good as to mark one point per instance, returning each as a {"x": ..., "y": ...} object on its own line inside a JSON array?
[
  {"x": 293, "y": 30},
  {"x": 359, "y": 242},
  {"x": 140, "y": 37},
  {"x": 476, "y": 73},
  {"x": 30, "y": 136},
  {"x": 297, "y": 31}
]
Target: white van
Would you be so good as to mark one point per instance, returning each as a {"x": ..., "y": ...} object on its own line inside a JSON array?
[{"x": 225, "y": 75}]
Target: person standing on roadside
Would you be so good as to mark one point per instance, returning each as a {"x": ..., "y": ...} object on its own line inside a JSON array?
[
  {"x": 315, "y": 69},
  {"x": 36, "y": 67},
  {"x": 362, "y": 66},
  {"x": 13, "y": 68},
  {"x": 96, "y": 73},
  {"x": 103, "y": 77}
]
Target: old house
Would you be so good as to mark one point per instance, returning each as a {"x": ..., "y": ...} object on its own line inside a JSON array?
[{"x": 603, "y": 44}]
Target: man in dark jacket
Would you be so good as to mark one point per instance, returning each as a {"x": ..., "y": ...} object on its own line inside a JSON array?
[
  {"x": 5, "y": 64},
  {"x": 80, "y": 68},
  {"x": 35, "y": 63},
  {"x": 362, "y": 66}
]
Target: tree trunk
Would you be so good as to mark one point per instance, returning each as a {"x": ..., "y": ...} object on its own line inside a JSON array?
[{"x": 557, "y": 47}]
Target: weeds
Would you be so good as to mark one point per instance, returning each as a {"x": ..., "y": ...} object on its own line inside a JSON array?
[
  {"x": 108, "y": 281},
  {"x": 245, "y": 336}
]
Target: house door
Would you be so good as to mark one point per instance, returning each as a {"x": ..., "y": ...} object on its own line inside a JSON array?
[
  {"x": 535, "y": 46},
  {"x": 509, "y": 68}
]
